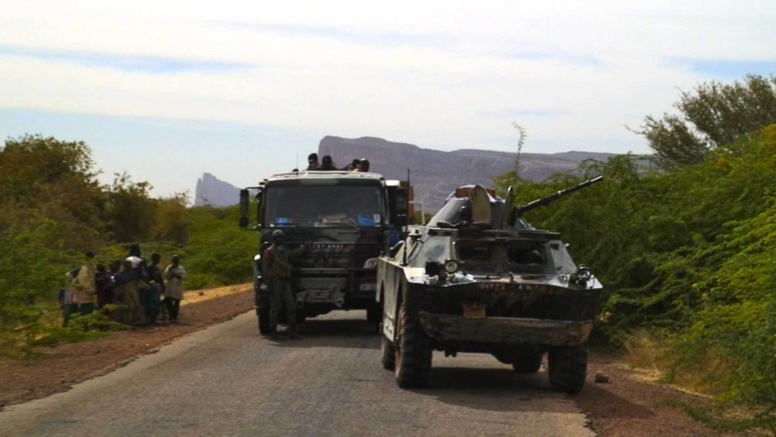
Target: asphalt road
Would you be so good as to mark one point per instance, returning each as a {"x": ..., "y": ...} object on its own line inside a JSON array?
[{"x": 226, "y": 380}]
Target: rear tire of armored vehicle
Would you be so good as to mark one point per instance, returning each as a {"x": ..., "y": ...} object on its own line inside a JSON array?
[
  {"x": 528, "y": 363},
  {"x": 263, "y": 316},
  {"x": 567, "y": 369},
  {"x": 413, "y": 352},
  {"x": 388, "y": 359}
]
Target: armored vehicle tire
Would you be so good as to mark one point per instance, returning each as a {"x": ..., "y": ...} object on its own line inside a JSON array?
[
  {"x": 527, "y": 363},
  {"x": 567, "y": 369},
  {"x": 263, "y": 315},
  {"x": 388, "y": 359},
  {"x": 374, "y": 314},
  {"x": 413, "y": 352}
]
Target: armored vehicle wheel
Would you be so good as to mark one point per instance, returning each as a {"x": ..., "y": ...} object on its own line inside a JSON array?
[
  {"x": 567, "y": 368},
  {"x": 263, "y": 315},
  {"x": 413, "y": 352},
  {"x": 527, "y": 363},
  {"x": 388, "y": 359}
]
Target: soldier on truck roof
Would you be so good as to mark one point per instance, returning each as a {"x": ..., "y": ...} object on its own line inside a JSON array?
[
  {"x": 327, "y": 164},
  {"x": 363, "y": 165},
  {"x": 312, "y": 161}
]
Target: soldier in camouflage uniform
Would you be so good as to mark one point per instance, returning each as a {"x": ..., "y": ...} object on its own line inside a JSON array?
[{"x": 278, "y": 269}]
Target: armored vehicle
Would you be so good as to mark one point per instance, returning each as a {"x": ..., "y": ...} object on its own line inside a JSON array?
[
  {"x": 480, "y": 278},
  {"x": 345, "y": 219}
]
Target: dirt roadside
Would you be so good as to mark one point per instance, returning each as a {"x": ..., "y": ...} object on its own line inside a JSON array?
[{"x": 626, "y": 406}]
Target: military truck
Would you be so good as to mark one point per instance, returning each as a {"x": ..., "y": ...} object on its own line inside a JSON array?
[
  {"x": 346, "y": 219},
  {"x": 480, "y": 278}
]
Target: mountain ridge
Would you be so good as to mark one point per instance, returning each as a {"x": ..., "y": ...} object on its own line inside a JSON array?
[{"x": 433, "y": 173}]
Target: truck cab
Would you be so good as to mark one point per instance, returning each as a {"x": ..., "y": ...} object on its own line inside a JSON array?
[{"x": 344, "y": 219}]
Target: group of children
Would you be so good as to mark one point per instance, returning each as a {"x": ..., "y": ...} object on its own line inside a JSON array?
[{"x": 143, "y": 293}]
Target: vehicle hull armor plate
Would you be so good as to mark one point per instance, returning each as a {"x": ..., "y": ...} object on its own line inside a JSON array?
[{"x": 505, "y": 330}]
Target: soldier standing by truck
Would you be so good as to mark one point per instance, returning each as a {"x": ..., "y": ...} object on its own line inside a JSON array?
[{"x": 278, "y": 270}]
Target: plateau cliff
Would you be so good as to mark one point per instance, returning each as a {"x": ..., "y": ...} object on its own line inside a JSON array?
[{"x": 213, "y": 191}]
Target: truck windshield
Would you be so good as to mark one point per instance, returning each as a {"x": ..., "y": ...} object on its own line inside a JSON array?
[{"x": 323, "y": 205}]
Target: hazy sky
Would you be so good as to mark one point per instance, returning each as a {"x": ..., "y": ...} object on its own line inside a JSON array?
[{"x": 166, "y": 90}]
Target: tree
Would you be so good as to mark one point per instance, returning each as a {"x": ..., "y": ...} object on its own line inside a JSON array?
[
  {"x": 712, "y": 116},
  {"x": 42, "y": 178},
  {"x": 172, "y": 221},
  {"x": 131, "y": 212}
]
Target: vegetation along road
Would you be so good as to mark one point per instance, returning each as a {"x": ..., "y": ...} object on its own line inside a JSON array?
[{"x": 226, "y": 380}]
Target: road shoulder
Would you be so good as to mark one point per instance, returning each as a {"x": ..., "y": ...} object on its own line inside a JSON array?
[{"x": 62, "y": 366}]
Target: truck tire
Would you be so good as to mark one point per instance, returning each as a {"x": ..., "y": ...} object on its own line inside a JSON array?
[
  {"x": 567, "y": 369},
  {"x": 262, "y": 314},
  {"x": 527, "y": 363},
  {"x": 374, "y": 314},
  {"x": 388, "y": 359},
  {"x": 413, "y": 352}
]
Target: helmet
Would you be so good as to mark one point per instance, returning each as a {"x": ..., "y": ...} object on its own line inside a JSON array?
[
  {"x": 278, "y": 234},
  {"x": 363, "y": 163}
]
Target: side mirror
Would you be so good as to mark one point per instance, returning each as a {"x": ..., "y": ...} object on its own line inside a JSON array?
[
  {"x": 259, "y": 197},
  {"x": 402, "y": 207},
  {"x": 245, "y": 201}
]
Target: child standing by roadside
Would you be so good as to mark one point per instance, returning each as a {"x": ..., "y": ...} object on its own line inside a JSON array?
[{"x": 174, "y": 275}]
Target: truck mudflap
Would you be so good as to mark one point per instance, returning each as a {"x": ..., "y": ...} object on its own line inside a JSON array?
[{"x": 505, "y": 330}]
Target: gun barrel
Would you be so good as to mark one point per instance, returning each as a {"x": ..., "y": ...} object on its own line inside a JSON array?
[{"x": 551, "y": 198}]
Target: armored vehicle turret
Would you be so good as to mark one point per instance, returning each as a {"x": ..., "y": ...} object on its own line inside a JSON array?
[{"x": 480, "y": 278}]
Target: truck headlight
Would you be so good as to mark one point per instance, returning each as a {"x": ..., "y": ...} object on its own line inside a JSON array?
[{"x": 451, "y": 266}]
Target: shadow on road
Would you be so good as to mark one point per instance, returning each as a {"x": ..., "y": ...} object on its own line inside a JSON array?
[
  {"x": 504, "y": 390},
  {"x": 488, "y": 389},
  {"x": 342, "y": 333}
]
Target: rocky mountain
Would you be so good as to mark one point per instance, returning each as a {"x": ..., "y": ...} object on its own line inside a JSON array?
[
  {"x": 213, "y": 191},
  {"x": 434, "y": 174}
]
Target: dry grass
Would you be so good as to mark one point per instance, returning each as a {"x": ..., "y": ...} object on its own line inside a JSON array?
[
  {"x": 646, "y": 353},
  {"x": 655, "y": 359},
  {"x": 195, "y": 296}
]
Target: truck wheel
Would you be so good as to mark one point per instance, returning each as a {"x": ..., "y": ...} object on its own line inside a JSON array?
[
  {"x": 567, "y": 368},
  {"x": 388, "y": 359},
  {"x": 262, "y": 314},
  {"x": 527, "y": 363},
  {"x": 413, "y": 352},
  {"x": 374, "y": 314}
]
